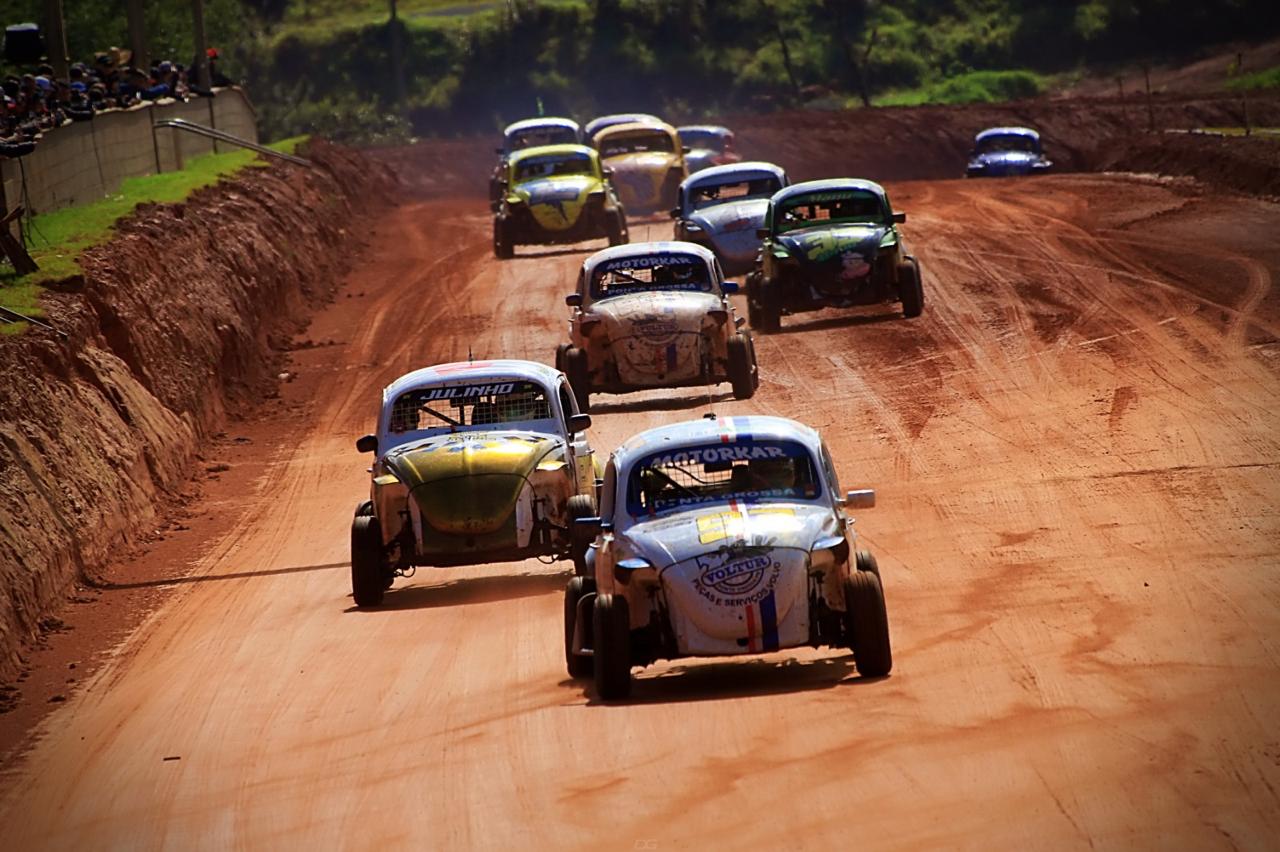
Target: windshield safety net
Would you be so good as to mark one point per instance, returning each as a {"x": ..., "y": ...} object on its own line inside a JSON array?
[
  {"x": 744, "y": 471},
  {"x": 831, "y": 207},
  {"x": 651, "y": 273},
  {"x": 480, "y": 404}
]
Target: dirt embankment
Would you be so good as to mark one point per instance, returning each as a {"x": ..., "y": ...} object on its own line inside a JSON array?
[{"x": 173, "y": 326}]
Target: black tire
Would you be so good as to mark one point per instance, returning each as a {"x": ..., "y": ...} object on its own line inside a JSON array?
[
  {"x": 368, "y": 562},
  {"x": 503, "y": 248},
  {"x": 616, "y": 230},
  {"x": 910, "y": 288},
  {"x": 867, "y": 624},
  {"x": 865, "y": 561},
  {"x": 579, "y": 665},
  {"x": 560, "y": 352},
  {"x": 577, "y": 368},
  {"x": 762, "y": 307},
  {"x": 579, "y": 506},
  {"x": 365, "y": 509},
  {"x": 611, "y": 648},
  {"x": 742, "y": 368}
]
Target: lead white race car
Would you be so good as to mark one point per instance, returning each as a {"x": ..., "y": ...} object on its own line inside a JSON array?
[
  {"x": 722, "y": 537},
  {"x": 655, "y": 315}
]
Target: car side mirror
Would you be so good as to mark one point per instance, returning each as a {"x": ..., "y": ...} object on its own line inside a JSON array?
[
  {"x": 579, "y": 422},
  {"x": 686, "y": 149},
  {"x": 899, "y": 218},
  {"x": 862, "y": 498},
  {"x": 762, "y": 233},
  {"x": 367, "y": 444},
  {"x": 729, "y": 286},
  {"x": 674, "y": 212},
  {"x": 573, "y": 300}
]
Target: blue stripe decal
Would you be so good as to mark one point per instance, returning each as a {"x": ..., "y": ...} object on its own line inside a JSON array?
[
  {"x": 769, "y": 622},
  {"x": 741, "y": 428}
]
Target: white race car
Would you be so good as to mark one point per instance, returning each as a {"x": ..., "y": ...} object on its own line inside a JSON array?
[
  {"x": 478, "y": 462},
  {"x": 655, "y": 315},
  {"x": 719, "y": 537}
]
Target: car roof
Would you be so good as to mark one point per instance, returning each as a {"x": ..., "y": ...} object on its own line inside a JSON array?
[
  {"x": 470, "y": 371},
  {"x": 595, "y": 124},
  {"x": 740, "y": 171},
  {"x": 632, "y": 127},
  {"x": 706, "y": 430},
  {"x": 542, "y": 150},
  {"x": 705, "y": 128},
  {"x": 529, "y": 123},
  {"x": 827, "y": 185},
  {"x": 641, "y": 249},
  {"x": 1006, "y": 131}
]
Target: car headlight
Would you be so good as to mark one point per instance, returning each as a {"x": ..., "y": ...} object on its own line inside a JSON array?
[
  {"x": 828, "y": 553},
  {"x": 596, "y": 195},
  {"x": 692, "y": 228},
  {"x": 635, "y": 570},
  {"x": 1041, "y": 164},
  {"x": 889, "y": 240}
]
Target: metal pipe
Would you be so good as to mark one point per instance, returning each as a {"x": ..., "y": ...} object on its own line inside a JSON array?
[{"x": 222, "y": 136}]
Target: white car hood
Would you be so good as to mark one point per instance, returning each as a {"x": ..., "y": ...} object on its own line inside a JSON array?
[
  {"x": 655, "y": 315},
  {"x": 674, "y": 538}
]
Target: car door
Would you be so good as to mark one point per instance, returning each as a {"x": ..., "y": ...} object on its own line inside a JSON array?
[{"x": 581, "y": 456}]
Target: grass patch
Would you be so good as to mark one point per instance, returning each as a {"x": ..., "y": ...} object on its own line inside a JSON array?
[
  {"x": 1268, "y": 79},
  {"x": 972, "y": 88},
  {"x": 322, "y": 19},
  {"x": 58, "y": 238}
]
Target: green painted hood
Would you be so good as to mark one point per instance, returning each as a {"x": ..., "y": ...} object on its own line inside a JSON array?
[{"x": 467, "y": 483}]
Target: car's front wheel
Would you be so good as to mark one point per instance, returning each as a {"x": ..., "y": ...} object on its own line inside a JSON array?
[
  {"x": 762, "y": 306},
  {"x": 368, "y": 561},
  {"x": 743, "y": 375},
  {"x": 867, "y": 624},
  {"x": 503, "y": 247},
  {"x": 616, "y": 229},
  {"x": 579, "y": 665},
  {"x": 611, "y": 648},
  {"x": 578, "y": 369},
  {"x": 579, "y": 506},
  {"x": 910, "y": 288}
]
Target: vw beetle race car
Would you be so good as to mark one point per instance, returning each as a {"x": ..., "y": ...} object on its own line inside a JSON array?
[
  {"x": 654, "y": 315},
  {"x": 530, "y": 133},
  {"x": 830, "y": 244},
  {"x": 708, "y": 144},
  {"x": 1002, "y": 151},
  {"x": 720, "y": 537},
  {"x": 556, "y": 194},
  {"x": 595, "y": 125},
  {"x": 647, "y": 161},
  {"x": 473, "y": 463},
  {"x": 723, "y": 208}
]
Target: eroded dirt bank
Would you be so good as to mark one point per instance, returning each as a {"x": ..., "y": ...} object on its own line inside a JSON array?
[{"x": 173, "y": 325}]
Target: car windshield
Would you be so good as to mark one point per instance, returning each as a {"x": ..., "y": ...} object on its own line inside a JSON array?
[
  {"x": 634, "y": 143},
  {"x": 746, "y": 471},
  {"x": 839, "y": 206},
  {"x": 534, "y": 136},
  {"x": 708, "y": 195},
  {"x": 651, "y": 273},
  {"x": 706, "y": 139},
  {"x": 455, "y": 406},
  {"x": 553, "y": 165},
  {"x": 1008, "y": 142}
]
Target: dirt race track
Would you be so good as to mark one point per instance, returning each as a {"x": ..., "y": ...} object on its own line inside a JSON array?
[{"x": 1076, "y": 454}]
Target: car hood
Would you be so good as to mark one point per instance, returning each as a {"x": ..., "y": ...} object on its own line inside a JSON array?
[
  {"x": 556, "y": 202},
  {"x": 819, "y": 245},
  {"x": 655, "y": 315},
  {"x": 675, "y": 538},
  {"x": 643, "y": 161},
  {"x": 732, "y": 216},
  {"x": 468, "y": 482},
  {"x": 1007, "y": 159}
]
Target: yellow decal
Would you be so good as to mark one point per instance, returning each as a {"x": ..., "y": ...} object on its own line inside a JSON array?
[{"x": 723, "y": 525}]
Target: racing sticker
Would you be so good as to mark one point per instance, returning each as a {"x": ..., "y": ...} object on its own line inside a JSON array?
[
  {"x": 467, "y": 391},
  {"x": 853, "y": 265},
  {"x": 737, "y": 576},
  {"x": 646, "y": 261},
  {"x": 654, "y": 329},
  {"x": 824, "y": 246},
  {"x": 725, "y": 525}
]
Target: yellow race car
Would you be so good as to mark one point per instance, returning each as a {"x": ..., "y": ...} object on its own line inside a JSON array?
[
  {"x": 646, "y": 161},
  {"x": 556, "y": 194}
]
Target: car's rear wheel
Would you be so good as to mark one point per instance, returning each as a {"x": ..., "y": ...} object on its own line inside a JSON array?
[
  {"x": 368, "y": 561},
  {"x": 560, "y": 353},
  {"x": 910, "y": 288},
  {"x": 617, "y": 229},
  {"x": 578, "y": 369},
  {"x": 611, "y": 646},
  {"x": 579, "y": 506},
  {"x": 867, "y": 624},
  {"x": 762, "y": 306},
  {"x": 579, "y": 665},
  {"x": 503, "y": 247},
  {"x": 742, "y": 368}
]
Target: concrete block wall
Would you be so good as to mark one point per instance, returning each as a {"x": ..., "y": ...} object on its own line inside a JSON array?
[{"x": 86, "y": 161}]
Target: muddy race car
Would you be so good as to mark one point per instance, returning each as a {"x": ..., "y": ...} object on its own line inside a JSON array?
[
  {"x": 654, "y": 315},
  {"x": 530, "y": 133},
  {"x": 647, "y": 161},
  {"x": 709, "y": 145},
  {"x": 723, "y": 208},
  {"x": 831, "y": 244},
  {"x": 1003, "y": 151},
  {"x": 556, "y": 194},
  {"x": 473, "y": 463},
  {"x": 722, "y": 537}
]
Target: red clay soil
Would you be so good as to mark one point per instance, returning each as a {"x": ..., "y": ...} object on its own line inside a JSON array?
[{"x": 175, "y": 323}]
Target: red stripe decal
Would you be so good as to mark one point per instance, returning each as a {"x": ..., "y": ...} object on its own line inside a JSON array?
[{"x": 751, "y": 629}]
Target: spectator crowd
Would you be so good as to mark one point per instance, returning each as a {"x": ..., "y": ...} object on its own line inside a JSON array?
[{"x": 37, "y": 102}]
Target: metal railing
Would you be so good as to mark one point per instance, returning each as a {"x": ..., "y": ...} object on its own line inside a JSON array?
[{"x": 221, "y": 136}]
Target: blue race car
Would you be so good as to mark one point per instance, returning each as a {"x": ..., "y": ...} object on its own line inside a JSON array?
[{"x": 1004, "y": 151}]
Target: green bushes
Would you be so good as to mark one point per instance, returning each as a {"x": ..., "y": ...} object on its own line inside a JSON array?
[
  {"x": 1268, "y": 79},
  {"x": 974, "y": 87}
]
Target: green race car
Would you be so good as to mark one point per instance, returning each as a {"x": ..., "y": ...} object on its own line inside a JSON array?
[{"x": 556, "y": 194}]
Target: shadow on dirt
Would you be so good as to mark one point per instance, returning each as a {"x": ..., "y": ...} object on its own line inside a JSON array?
[
  {"x": 663, "y": 404},
  {"x": 207, "y": 578},
  {"x": 471, "y": 590},
  {"x": 522, "y": 254},
  {"x": 717, "y": 680},
  {"x": 842, "y": 321}
]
